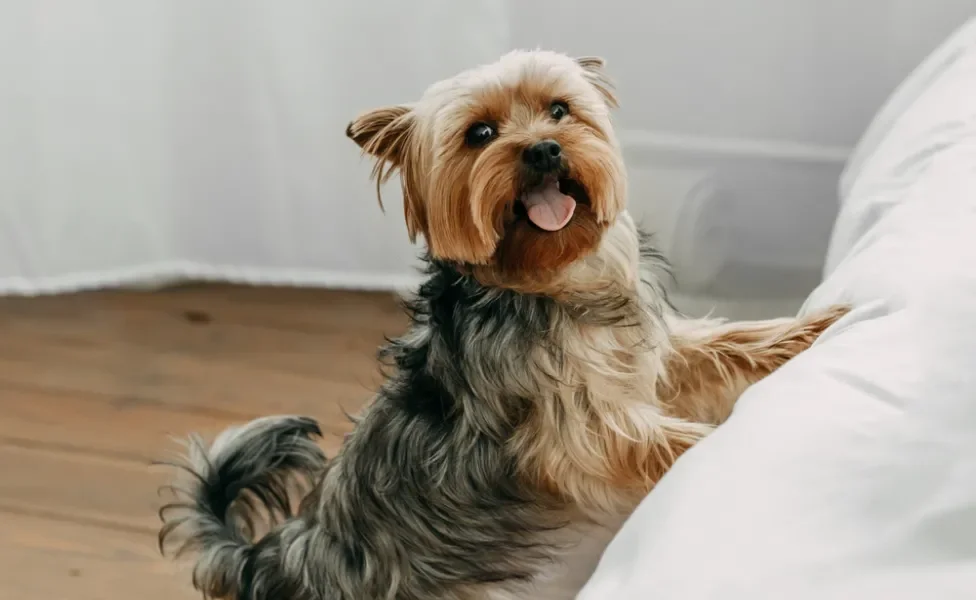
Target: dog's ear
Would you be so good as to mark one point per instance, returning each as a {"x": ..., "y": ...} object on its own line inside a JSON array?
[
  {"x": 385, "y": 134},
  {"x": 595, "y": 73}
]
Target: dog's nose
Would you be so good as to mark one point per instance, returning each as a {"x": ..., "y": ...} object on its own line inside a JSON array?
[{"x": 545, "y": 156}]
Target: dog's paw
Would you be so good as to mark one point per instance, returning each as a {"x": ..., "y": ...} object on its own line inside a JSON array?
[
  {"x": 818, "y": 322},
  {"x": 801, "y": 333}
]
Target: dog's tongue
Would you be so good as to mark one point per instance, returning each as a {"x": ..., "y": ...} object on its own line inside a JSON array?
[{"x": 549, "y": 208}]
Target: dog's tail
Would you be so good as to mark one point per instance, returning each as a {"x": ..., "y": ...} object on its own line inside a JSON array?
[{"x": 248, "y": 475}]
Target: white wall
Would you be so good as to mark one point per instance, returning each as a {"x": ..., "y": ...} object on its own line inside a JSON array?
[
  {"x": 798, "y": 70},
  {"x": 749, "y": 106},
  {"x": 151, "y": 140},
  {"x": 156, "y": 139}
]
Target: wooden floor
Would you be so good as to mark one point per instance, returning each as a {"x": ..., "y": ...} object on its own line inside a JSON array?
[{"x": 92, "y": 387}]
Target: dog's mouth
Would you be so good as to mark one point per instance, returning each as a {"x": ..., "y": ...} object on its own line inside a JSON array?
[{"x": 551, "y": 203}]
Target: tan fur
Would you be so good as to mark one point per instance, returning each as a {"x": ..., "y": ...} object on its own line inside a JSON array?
[
  {"x": 713, "y": 362},
  {"x": 460, "y": 199},
  {"x": 636, "y": 385},
  {"x": 635, "y": 397}
]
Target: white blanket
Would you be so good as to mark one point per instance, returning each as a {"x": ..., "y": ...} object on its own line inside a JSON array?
[{"x": 851, "y": 472}]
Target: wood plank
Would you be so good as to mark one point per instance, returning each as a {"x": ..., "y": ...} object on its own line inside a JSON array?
[
  {"x": 150, "y": 355},
  {"x": 141, "y": 431},
  {"x": 182, "y": 381},
  {"x": 114, "y": 492},
  {"x": 321, "y": 353},
  {"x": 312, "y": 311},
  {"x": 94, "y": 385},
  {"x": 285, "y": 308},
  {"x": 336, "y": 357},
  {"x": 90, "y": 461},
  {"x": 50, "y": 560}
]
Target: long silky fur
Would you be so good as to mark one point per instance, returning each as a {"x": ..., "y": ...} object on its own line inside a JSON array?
[
  {"x": 249, "y": 473},
  {"x": 429, "y": 497},
  {"x": 516, "y": 413}
]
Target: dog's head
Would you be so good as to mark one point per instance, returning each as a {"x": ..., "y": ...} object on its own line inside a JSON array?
[{"x": 511, "y": 170}]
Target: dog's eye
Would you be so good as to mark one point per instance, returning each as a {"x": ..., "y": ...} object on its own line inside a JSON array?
[
  {"x": 479, "y": 134},
  {"x": 558, "y": 110}
]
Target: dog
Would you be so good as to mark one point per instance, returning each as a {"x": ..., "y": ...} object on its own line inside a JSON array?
[{"x": 544, "y": 386}]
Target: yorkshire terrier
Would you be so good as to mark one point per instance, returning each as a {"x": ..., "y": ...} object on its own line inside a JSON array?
[{"x": 544, "y": 386}]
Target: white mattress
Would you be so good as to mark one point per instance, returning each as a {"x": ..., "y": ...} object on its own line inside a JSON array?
[{"x": 851, "y": 472}]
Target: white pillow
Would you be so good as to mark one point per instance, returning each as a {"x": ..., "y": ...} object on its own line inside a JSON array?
[{"x": 851, "y": 472}]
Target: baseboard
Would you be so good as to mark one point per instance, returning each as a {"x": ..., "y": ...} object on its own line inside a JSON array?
[{"x": 160, "y": 275}]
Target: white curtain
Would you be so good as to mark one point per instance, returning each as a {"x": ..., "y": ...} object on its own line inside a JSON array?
[{"x": 148, "y": 140}]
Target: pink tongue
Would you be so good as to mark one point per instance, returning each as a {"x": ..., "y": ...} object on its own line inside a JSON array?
[{"x": 549, "y": 208}]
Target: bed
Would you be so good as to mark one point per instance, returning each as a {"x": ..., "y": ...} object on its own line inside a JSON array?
[{"x": 851, "y": 472}]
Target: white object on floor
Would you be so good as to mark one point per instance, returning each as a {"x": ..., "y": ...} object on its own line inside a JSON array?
[{"x": 851, "y": 472}]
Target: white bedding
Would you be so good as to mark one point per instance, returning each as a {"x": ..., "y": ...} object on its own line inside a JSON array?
[{"x": 851, "y": 472}]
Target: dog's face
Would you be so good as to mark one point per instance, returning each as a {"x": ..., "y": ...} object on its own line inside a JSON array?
[{"x": 511, "y": 169}]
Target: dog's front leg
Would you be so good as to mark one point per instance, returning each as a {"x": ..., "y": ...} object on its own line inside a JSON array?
[{"x": 713, "y": 362}]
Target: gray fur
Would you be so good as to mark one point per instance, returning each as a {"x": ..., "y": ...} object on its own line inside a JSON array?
[
  {"x": 424, "y": 501},
  {"x": 245, "y": 471}
]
